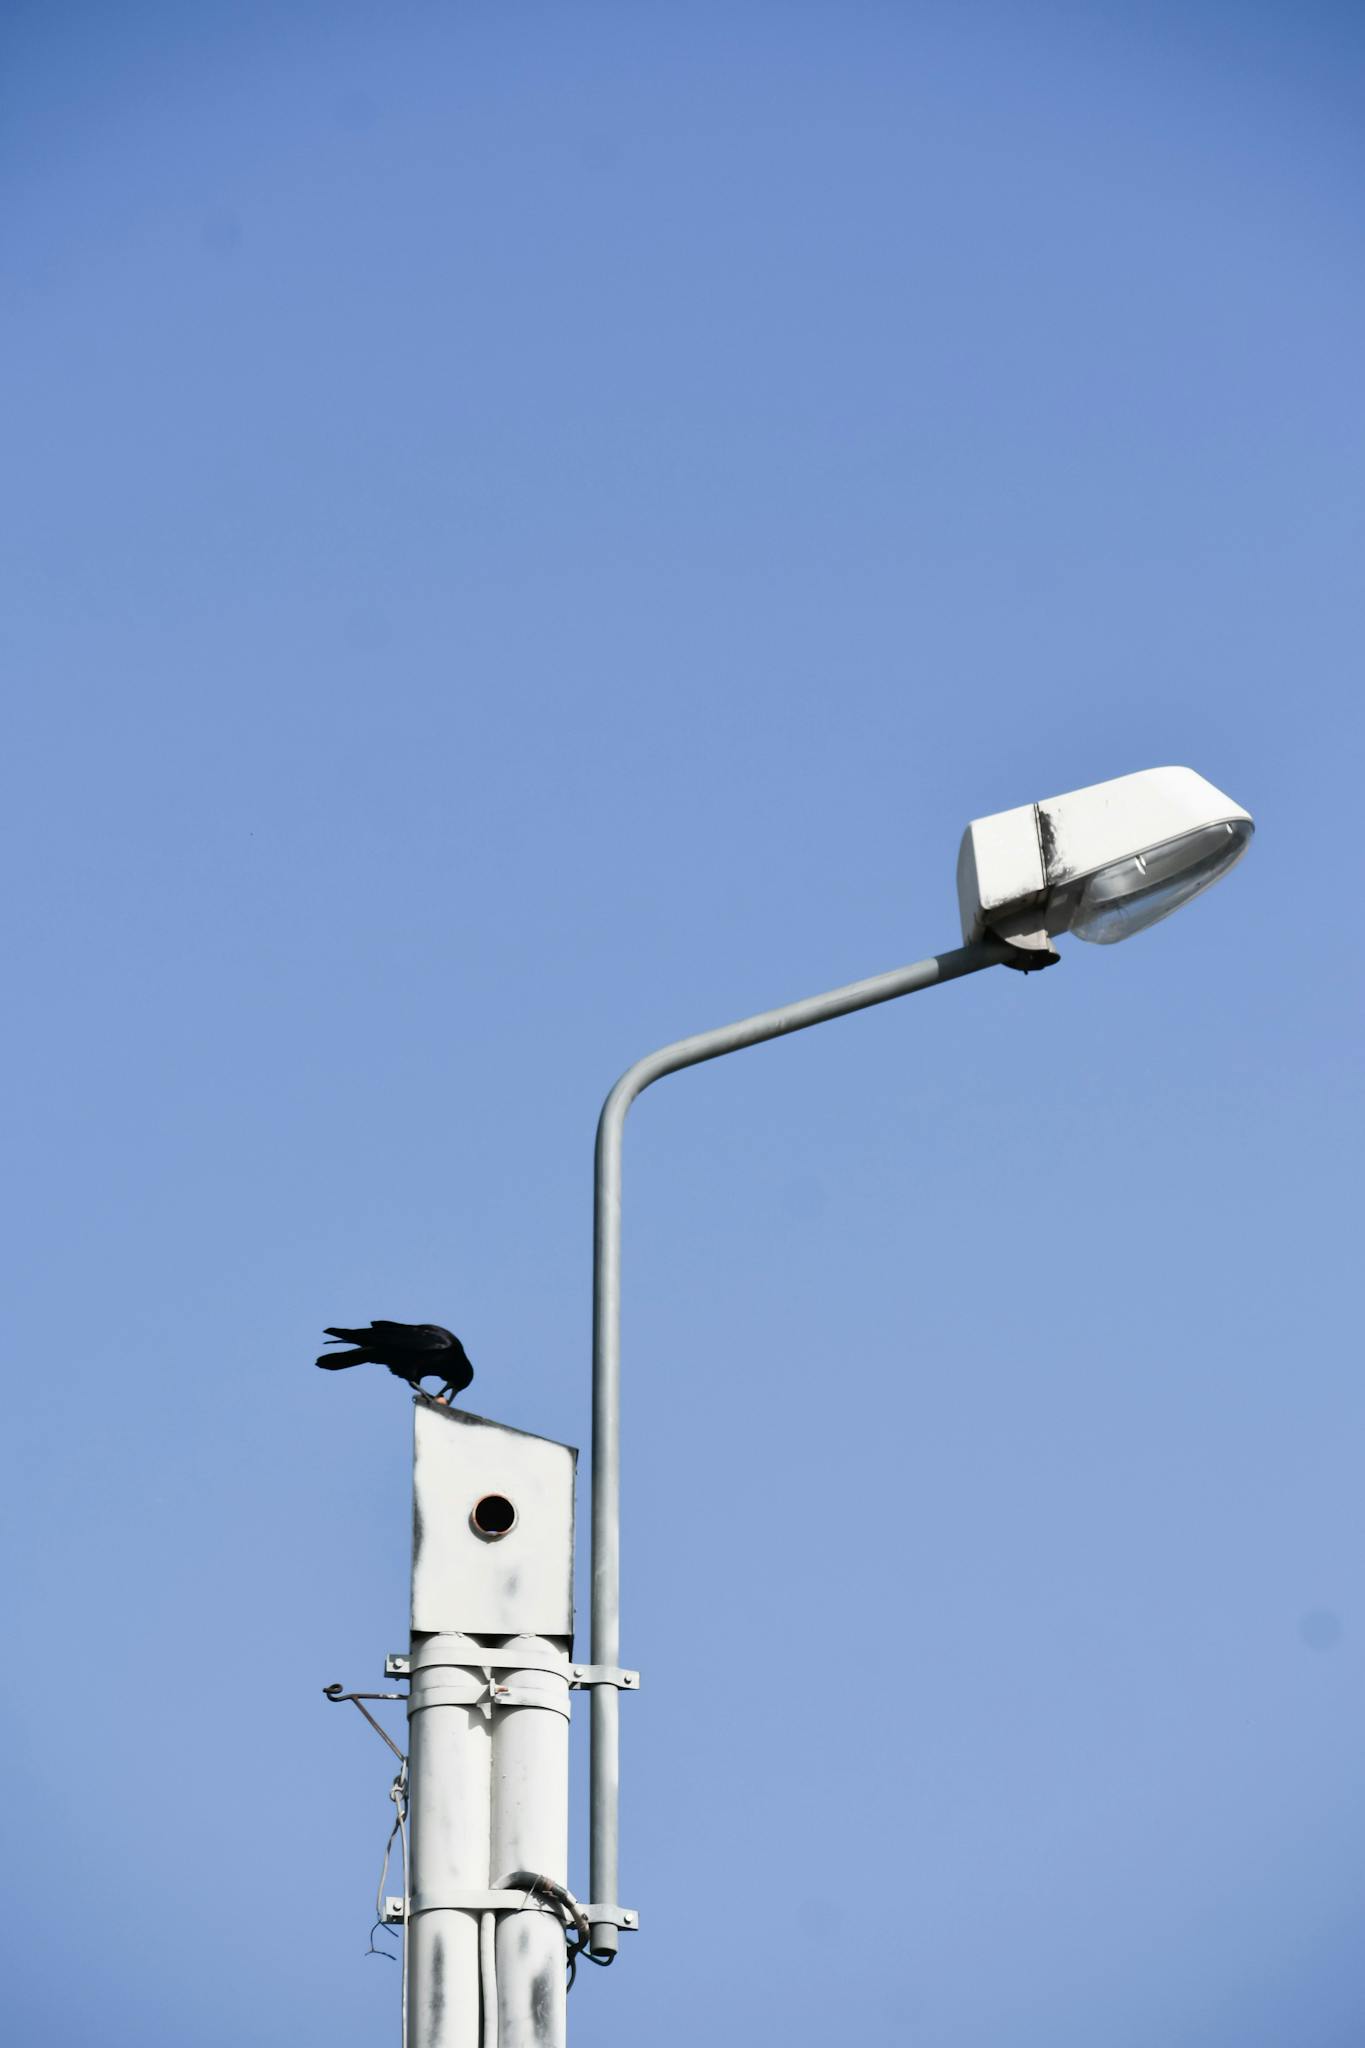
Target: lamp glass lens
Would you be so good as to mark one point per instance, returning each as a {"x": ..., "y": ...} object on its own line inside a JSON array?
[{"x": 1130, "y": 895}]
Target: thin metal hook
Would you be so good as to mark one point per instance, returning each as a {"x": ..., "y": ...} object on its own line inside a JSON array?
[{"x": 336, "y": 1693}]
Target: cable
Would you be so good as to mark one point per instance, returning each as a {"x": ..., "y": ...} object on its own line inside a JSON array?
[
  {"x": 578, "y": 1950},
  {"x": 402, "y": 1806},
  {"x": 398, "y": 1793},
  {"x": 535, "y": 1883}
]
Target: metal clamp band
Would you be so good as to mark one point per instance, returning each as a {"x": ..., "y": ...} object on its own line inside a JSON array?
[
  {"x": 530, "y": 1696},
  {"x": 472, "y": 1693},
  {"x": 613, "y": 1916},
  {"x": 475, "y": 1901},
  {"x": 585, "y": 1675},
  {"x": 581, "y": 1676},
  {"x": 500, "y": 1902},
  {"x": 481, "y": 1692},
  {"x": 478, "y": 1659}
]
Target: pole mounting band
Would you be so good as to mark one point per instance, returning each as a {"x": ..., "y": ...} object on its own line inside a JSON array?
[
  {"x": 581, "y": 1676},
  {"x": 491, "y": 1901}
]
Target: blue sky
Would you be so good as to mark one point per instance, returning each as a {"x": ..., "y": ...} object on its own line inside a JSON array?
[{"x": 529, "y": 532}]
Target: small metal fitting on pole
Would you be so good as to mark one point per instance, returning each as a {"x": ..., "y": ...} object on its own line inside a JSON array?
[{"x": 336, "y": 1695}]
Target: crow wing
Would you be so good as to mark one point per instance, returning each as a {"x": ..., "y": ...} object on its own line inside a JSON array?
[{"x": 415, "y": 1336}]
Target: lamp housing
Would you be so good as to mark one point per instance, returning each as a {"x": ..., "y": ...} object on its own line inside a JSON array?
[{"x": 1102, "y": 862}]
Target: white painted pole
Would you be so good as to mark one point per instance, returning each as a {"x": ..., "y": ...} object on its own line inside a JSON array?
[
  {"x": 449, "y": 1776},
  {"x": 530, "y": 1831}
]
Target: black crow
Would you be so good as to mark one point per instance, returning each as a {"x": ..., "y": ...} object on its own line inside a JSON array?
[{"x": 412, "y": 1351}]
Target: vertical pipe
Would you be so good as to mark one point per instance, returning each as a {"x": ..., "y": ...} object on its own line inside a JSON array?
[
  {"x": 449, "y": 1780},
  {"x": 488, "y": 1977},
  {"x": 605, "y": 1708},
  {"x": 530, "y": 1831}
]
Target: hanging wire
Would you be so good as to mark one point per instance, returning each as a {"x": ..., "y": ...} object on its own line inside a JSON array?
[{"x": 398, "y": 1793}]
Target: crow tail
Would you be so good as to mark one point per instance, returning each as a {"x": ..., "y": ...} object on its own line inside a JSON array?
[{"x": 333, "y": 1361}]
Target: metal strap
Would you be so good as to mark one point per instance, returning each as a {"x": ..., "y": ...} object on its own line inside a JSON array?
[
  {"x": 473, "y": 1692},
  {"x": 605, "y": 1674},
  {"x": 477, "y": 1902},
  {"x": 500, "y": 1902},
  {"x": 580, "y": 1676},
  {"x": 481, "y": 1692},
  {"x": 531, "y": 1696}
]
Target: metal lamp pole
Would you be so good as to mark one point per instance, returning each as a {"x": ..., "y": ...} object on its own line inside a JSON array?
[
  {"x": 492, "y": 1627},
  {"x": 606, "y": 1342}
]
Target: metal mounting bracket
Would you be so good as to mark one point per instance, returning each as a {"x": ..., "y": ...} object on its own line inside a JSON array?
[
  {"x": 615, "y": 1916},
  {"x": 581, "y": 1676},
  {"x": 499, "y": 1902}
]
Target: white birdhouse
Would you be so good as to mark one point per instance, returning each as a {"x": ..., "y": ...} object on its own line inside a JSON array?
[{"x": 492, "y": 1527}]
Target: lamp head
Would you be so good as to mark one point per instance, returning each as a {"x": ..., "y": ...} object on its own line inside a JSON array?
[{"x": 1103, "y": 862}]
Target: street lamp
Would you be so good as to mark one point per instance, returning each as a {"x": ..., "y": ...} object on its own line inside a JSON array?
[{"x": 1102, "y": 863}]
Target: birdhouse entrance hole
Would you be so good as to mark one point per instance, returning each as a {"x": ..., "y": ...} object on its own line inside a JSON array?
[{"x": 492, "y": 1516}]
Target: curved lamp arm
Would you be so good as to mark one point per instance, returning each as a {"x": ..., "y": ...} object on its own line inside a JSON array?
[{"x": 606, "y": 1342}]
